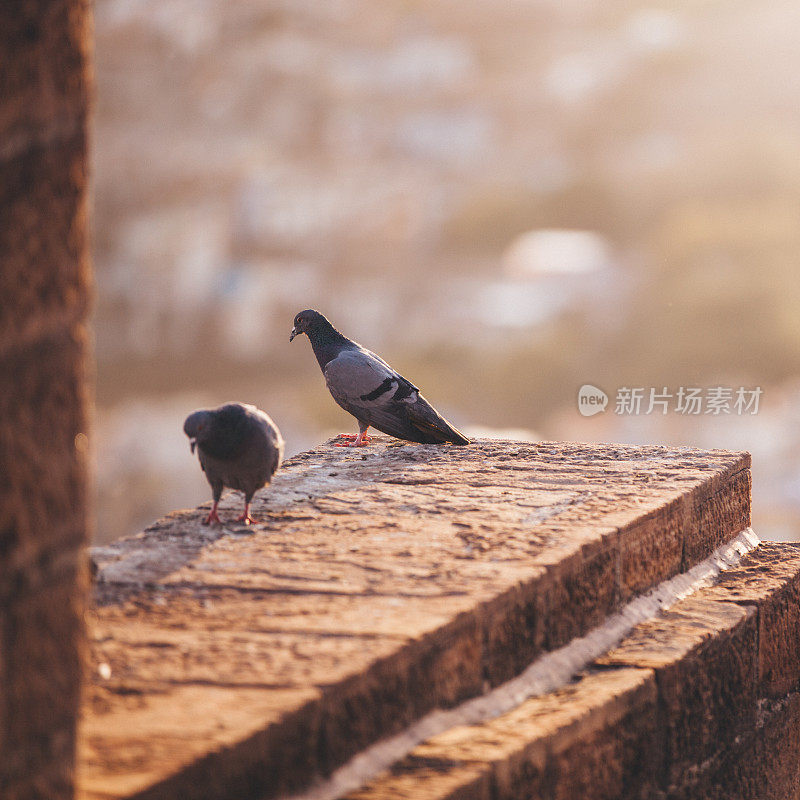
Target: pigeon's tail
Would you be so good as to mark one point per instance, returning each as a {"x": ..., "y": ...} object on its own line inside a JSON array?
[
  {"x": 456, "y": 437},
  {"x": 433, "y": 426}
]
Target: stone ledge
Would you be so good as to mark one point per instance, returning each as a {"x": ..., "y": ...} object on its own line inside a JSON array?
[
  {"x": 676, "y": 711},
  {"x": 381, "y": 584}
]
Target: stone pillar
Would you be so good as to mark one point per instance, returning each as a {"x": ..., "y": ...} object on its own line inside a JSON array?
[{"x": 44, "y": 289}]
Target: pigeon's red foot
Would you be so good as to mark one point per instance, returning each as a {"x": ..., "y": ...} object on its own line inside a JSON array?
[
  {"x": 212, "y": 517},
  {"x": 359, "y": 441},
  {"x": 245, "y": 515},
  {"x": 353, "y": 440}
]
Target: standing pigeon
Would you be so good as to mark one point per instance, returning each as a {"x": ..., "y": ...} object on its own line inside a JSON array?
[
  {"x": 239, "y": 446},
  {"x": 367, "y": 387}
]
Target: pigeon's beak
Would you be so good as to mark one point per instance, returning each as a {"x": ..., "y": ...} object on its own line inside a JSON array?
[
  {"x": 192, "y": 445},
  {"x": 293, "y": 334}
]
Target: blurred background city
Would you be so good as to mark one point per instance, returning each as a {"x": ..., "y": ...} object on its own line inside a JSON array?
[{"x": 506, "y": 199}]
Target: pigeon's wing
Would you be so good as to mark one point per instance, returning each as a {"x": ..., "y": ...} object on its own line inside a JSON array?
[
  {"x": 366, "y": 386},
  {"x": 432, "y": 426},
  {"x": 272, "y": 444}
]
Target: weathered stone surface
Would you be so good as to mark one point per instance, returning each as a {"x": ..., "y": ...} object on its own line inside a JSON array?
[
  {"x": 380, "y": 584},
  {"x": 672, "y": 714},
  {"x": 595, "y": 738},
  {"x": 705, "y": 657},
  {"x": 42, "y": 421},
  {"x": 40, "y": 635},
  {"x": 712, "y": 517},
  {"x": 44, "y": 297},
  {"x": 774, "y": 772},
  {"x": 42, "y": 194},
  {"x": 769, "y": 578},
  {"x": 44, "y": 79},
  {"x": 763, "y": 764},
  {"x": 431, "y": 781}
]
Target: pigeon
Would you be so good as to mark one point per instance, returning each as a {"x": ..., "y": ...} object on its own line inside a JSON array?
[
  {"x": 239, "y": 446},
  {"x": 364, "y": 385}
]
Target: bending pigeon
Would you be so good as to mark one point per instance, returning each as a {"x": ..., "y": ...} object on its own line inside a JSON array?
[
  {"x": 239, "y": 446},
  {"x": 367, "y": 387}
]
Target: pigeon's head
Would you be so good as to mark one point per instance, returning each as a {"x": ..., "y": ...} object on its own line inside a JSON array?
[
  {"x": 196, "y": 426},
  {"x": 308, "y": 321}
]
